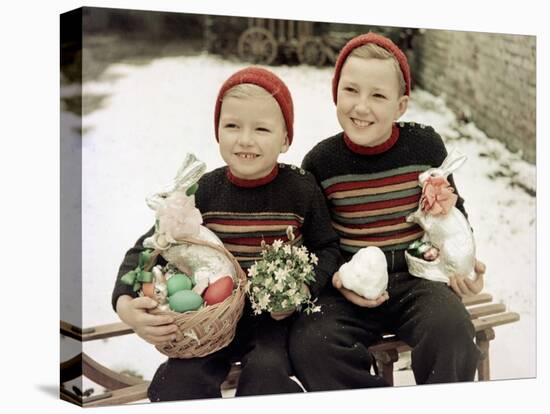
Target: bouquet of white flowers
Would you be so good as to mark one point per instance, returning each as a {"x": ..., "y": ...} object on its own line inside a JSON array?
[{"x": 278, "y": 281}]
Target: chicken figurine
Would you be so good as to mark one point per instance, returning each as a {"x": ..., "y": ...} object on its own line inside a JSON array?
[{"x": 366, "y": 273}]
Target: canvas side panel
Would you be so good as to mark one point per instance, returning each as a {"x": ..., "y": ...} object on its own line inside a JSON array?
[{"x": 71, "y": 201}]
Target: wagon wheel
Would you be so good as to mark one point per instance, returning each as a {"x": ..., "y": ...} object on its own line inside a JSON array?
[
  {"x": 257, "y": 45},
  {"x": 311, "y": 51}
]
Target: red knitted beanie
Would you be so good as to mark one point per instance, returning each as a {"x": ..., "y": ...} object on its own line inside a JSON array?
[
  {"x": 267, "y": 80},
  {"x": 379, "y": 40}
]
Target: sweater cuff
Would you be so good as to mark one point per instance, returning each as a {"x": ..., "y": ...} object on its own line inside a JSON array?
[
  {"x": 329, "y": 259},
  {"x": 121, "y": 290}
]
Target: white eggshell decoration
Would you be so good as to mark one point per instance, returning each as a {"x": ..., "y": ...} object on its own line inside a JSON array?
[{"x": 366, "y": 273}]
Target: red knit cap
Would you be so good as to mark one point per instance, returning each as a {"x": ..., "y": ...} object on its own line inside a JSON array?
[
  {"x": 379, "y": 40},
  {"x": 267, "y": 80}
]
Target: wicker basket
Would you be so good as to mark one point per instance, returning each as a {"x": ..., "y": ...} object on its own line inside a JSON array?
[{"x": 212, "y": 327}]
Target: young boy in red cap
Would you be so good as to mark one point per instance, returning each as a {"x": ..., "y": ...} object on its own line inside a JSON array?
[
  {"x": 245, "y": 202},
  {"x": 369, "y": 175}
]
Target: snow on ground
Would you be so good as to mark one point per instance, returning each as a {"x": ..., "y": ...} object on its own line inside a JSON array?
[{"x": 149, "y": 116}]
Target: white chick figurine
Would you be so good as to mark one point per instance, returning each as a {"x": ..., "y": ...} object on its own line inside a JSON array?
[{"x": 366, "y": 273}]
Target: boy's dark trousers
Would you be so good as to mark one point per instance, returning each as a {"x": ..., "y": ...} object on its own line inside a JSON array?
[
  {"x": 329, "y": 350},
  {"x": 261, "y": 344}
]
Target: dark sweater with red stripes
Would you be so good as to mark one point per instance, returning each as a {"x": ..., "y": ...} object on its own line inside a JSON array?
[
  {"x": 371, "y": 190},
  {"x": 242, "y": 216}
]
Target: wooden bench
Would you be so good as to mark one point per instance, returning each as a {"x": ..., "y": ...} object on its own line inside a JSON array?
[
  {"x": 123, "y": 388},
  {"x": 485, "y": 316}
]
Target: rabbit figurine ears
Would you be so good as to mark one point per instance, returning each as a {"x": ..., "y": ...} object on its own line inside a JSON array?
[
  {"x": 188, "y": 174},
  {"x": 450, "y": 164}
]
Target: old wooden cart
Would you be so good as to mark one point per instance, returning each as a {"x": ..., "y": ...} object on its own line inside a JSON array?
[
  {"x": 270, "y": 41},
  {"x": 265, "y": 39}
]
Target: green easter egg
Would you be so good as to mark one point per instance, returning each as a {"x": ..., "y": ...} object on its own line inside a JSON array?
[
  {"x": 178, "y": 282},
  {"x": 414, "y": 245},
  {"x": 184, "y": 300}
]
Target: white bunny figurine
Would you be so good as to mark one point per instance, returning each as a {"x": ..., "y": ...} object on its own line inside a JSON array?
[
  {"x": 445, "y": 226},
  {"x": 202, "y": 262}
]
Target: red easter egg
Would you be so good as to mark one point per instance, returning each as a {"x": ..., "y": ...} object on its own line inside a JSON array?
[{"x": 218, "y": 291}]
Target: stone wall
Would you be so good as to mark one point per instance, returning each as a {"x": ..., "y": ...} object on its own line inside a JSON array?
[{"x": 488, "y": 78}]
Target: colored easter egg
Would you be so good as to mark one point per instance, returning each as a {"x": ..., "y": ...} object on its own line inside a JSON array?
[
  {"x": 185, "y": 300},
  {"x": 218, "y": 291},
  {"x": 148, "y": 289},
  {"x": 178, "y": 282}
]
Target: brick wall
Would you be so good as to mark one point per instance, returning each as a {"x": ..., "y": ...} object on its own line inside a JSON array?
[{"x": 491, "y": 77}]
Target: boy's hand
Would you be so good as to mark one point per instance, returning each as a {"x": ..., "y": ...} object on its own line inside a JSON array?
[
  {"x": 355, "y": 298},
  {"x": 154, "y": 329},
  {"x": 463, "y": 286}
]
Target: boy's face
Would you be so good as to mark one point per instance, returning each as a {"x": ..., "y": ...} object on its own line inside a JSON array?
[
  {"x": 252, "y": 134},
  {"x": 368, "y": 100}
]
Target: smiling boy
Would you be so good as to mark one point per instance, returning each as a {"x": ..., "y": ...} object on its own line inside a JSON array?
[
  {"x": 252, "y": 132},
  {"x": 245, "y": 202},
  {"x": 369, "y": 175},
  {"x": 371, "y": 96}
]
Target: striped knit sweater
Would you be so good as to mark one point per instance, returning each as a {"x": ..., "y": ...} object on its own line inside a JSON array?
[
  {"x": 369, "y": 195},
  {"x": 242, "y": 217}
]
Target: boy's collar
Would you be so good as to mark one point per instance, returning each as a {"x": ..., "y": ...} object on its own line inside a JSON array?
[
  {"x": 377, "y": 149},
  {"x": 258, "y": 182}
]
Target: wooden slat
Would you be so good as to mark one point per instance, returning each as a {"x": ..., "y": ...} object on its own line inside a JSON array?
[
  {"x": 104, "y": 376},
  {"x": 281, "y": 31},
  {"x": 390, "y": 344},
  {"x": 485, "y": 310},
  {"x": 308, "y": 28},
  {"x": 130, "y": 394},
  {"x": 108, "y": 331},
  {"x": 301, "y": 30},
  {"x": 496, "y": 320},
  {"x": 291, "y": 29},
  {"x": 96, "y": 332},
  {"x": 71, "y": 331},
  {"x": 233, "y": 377},
  {"x": 477, "y": 299}
]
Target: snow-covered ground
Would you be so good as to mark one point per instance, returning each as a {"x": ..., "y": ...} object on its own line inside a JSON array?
[{"x": 153, "y": 114}]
